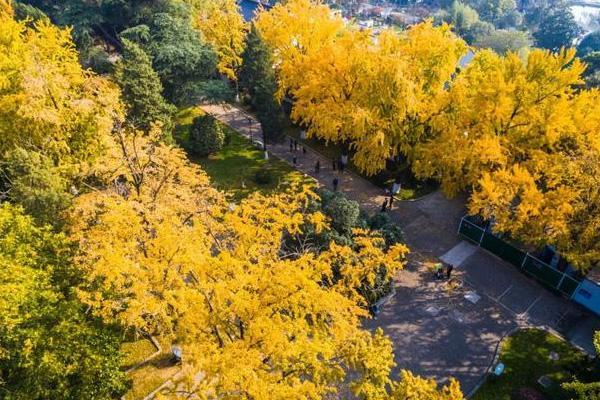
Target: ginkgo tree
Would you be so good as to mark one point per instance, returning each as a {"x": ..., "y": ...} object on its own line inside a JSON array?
[
  {"x": 55, "y": 117},
  {"x": 522, "y": 135},
  {"x": 223, "y": 26},
  {"x": 161, "y": 251},
  {"x": 348, "y": 87}
]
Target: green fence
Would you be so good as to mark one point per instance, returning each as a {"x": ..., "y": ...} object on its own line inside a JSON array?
[
  {"x": 471, "y": 231},
  {"x": 541, "y": 271}
]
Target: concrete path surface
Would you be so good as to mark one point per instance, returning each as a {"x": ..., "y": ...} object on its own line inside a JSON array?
[{"x": 437, "y": 331}]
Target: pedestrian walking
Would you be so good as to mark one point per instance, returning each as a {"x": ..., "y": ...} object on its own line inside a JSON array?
[
  {"x": 294, "y": 160},
  {"x": 391, "y": 201},
  {"x": 295, "y": 145},
  {"x": 291, "y": 146},
  {"x": 317, "y": 166},
  {"x": 304, "y": 150},
  {"x": 344, "y": 159},
  {"x": 384, "y": 205},
  {"x": 341, "y": 166},
  {"x": 449, "y": 269},
  {"x": 334, "y": 164},
  {"x": 335, "y": 184}
]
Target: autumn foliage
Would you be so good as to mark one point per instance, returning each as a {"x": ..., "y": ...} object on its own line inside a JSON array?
[{"x": 520, "y": 133}]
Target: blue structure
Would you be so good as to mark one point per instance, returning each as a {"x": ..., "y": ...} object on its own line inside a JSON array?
[
  {"x": 249, "y": 8},
  {"x": 588, "y": 295}
]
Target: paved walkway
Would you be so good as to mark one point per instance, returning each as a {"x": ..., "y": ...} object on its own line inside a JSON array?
[{"x": 438, "y": 332}]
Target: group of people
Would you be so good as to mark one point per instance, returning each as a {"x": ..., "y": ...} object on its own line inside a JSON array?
[{"x": 294, "y": 149}]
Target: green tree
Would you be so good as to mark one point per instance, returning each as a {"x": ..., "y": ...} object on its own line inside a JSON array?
[
  {"x": 49, "y": 349},
  {"x": 557, "y": 28},
  {"x": 257, "y": 77},
  {"x": 31, "y": 179},
  {"x": 589, "y": 44},
  {"x": 206, "y": 136},
  {"x": 142, "y": 91},
  {"x": 502, "y": 13},
  {"x": 180, "y": 57},
  {"x": 502, "y": 41},
  {"x": 588, "y": 390}
]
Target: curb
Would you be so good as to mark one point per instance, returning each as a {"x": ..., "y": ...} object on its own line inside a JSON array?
[{"x": 350, "y": 171}]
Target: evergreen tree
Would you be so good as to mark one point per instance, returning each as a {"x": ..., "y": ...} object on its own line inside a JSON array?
[
  {"x": 257, "y": 77},
  {"x": 141, "y": 90},
  {"x": 557, "y": 28}
]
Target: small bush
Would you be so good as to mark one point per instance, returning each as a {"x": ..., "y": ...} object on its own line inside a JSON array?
[
  {"x": 263, "y": 176},
  {"x": 206, "y": 136}
]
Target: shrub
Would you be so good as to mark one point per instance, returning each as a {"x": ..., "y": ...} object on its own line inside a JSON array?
[
  {"x": 344, "y": 213},
  {"x": 263, "y": 176},
  {"x": 206, "y": 136}
]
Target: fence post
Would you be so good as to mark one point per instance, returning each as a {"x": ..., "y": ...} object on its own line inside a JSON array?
[
  {"x": 562, "y": 278},
  {"x": 575, "y": 291},
  {"x": 460, "y": 225},
  {"x": 524, "y": 260}
]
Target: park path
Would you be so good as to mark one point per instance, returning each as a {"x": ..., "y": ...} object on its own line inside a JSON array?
[{"x": 438, "y": 333}]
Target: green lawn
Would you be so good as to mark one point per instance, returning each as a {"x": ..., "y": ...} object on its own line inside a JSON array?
[
  {"x": 233, "y": 168},
  {"x": 526, "y": 357},
  {"x": 136, "y": 351},
  {"x": 152, "y": 374}
]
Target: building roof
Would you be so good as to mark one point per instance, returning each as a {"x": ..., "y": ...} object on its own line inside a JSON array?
[{"x": 249, "y": 8}]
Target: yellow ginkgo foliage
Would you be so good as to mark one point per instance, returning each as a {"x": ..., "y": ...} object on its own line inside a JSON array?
[
  {"x": 351, "y": 87},
  {"x": 524, "y": 137},
  {"x": 161, "y": 251},
  {"x": 48, "y": 102},
  {"x": 222, "y": 25}
]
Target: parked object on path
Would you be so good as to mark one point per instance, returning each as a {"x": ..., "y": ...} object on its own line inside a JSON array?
[
  {"x": 374, "y": 310},
  {"x": 317, "y": 166},
  {"x": 176, "y": 354},
  {"x": 439, "y": 271},
  {"x": 303, "y": 134},
  {"x": 335, "y": 184},
  {"x": 396, "y": 188},
  {"x": 384, "y": 205},
  {"x": 449, "y": 269}
]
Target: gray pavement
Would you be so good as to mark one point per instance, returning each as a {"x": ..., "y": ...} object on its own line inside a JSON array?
[{"x": 436, "y": 331}]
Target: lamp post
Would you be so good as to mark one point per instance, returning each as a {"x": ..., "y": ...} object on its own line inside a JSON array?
[{"x": 250, "y": 129}]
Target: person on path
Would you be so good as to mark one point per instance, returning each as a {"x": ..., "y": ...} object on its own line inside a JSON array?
[
  {"x": 335, "y": 184},
  {"x": 291, "y": 146},
  {"x": 304, "y": 150},
  {"x": 344, "y": 159},
  {"x": 341, "y": 166},
  {"x": 384, "y": 205},
  {"x": 449, "y": 269},
  {"x": 334, "y": 164},
  {"x": 318, "y": 166},
  {"x": 294, "y": 160},
  {"x": 391, "y": 201},
  {"x": 295, "y": 145}
]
